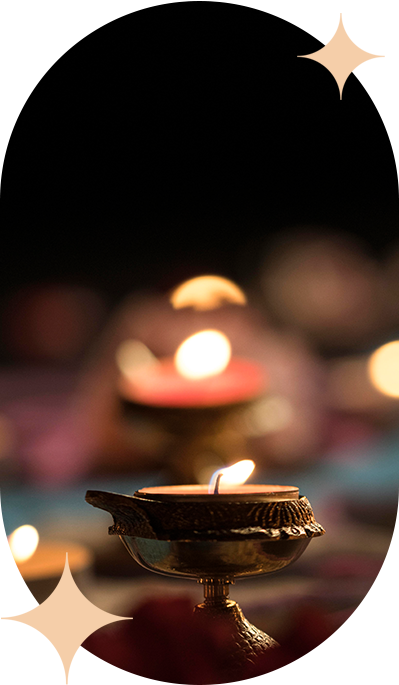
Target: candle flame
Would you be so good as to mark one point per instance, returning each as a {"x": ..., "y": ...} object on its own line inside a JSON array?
[
  {"x": 232, "y": 475},
  {"x": 383, "y": 369},
  {"x": 23, "y": 542},
  {"x": 206, "y": 292},
  {"x": 203, "y": 354}
]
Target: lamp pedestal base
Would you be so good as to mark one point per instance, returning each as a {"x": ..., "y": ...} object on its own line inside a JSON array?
[{"x": 248, "y": 641}]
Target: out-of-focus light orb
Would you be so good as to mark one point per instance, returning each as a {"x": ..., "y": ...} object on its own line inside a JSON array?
[
  {"x": 267, "y": 415},
  {"x": 383, "y": 368},
  {"x": 133, "y": 357},
  {"x": 203, "y": 354},
  {"x": 207, "y": 292},
  {"x": 23, "y": 542}
]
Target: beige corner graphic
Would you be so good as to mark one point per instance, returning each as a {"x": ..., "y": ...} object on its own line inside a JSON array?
[
  {"x": 354, "y": 42},
  {"x": 49, "y": 636}
]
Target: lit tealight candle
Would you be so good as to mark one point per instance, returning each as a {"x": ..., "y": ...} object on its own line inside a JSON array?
[{"x": 232, "y": 479}]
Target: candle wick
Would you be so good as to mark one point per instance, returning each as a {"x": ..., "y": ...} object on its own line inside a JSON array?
[{"x": 217, "y": 483}]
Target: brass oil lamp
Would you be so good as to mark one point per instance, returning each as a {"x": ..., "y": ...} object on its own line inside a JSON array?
[{"x": 237, "y": 532}]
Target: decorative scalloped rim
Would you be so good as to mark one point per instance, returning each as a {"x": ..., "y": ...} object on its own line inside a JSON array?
[{"x": 133, "y": 519}]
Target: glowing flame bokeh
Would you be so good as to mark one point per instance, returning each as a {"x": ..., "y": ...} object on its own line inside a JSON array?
[
  {"x": 203, "y": 354},
  {"x": 23, "y": 542},
  {"x": 206, "y": 292},
  {"x": 236, "y": 474},
  {"x": 383, "y": 369}
]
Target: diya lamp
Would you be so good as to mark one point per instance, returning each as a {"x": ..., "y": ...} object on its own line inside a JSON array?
[
  {"x": 41, "y": 565},
  {"x": 215, "y": 535},
  {"x": 194, "y": 395}
]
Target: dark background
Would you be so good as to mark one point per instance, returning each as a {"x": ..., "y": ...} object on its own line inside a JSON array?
[{"x": 177, "y": 140}]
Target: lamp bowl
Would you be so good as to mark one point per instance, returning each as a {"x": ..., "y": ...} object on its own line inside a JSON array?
[{"x": 226, "y": 559}]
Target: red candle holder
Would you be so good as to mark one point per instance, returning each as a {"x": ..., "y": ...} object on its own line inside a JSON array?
[{"x": 196, "y": 417}]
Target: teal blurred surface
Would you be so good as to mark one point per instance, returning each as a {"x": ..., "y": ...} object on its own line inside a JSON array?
[
  {"x": 363, "y": 472},
  {"x": 47, "y": 506}
]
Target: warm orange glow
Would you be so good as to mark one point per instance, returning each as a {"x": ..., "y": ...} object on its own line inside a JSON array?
[
  {"x": 236, "y": 474},
  {"x": 269, "y": 414},
  {"x": 207, "y": 292},
  {"x": 203, "y": 354},
  {"x": 383, "y": 368},
  {"x": 133, "y": 357},
  {"x": 23, "y": 542}
]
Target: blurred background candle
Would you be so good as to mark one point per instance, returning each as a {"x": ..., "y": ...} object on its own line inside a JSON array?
[
  {"x": 23, "y": 543},
  {"x": 202, "y": 374},
  {"x": 194, "y": 396},
  {"x": 41, "y": 563}
]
